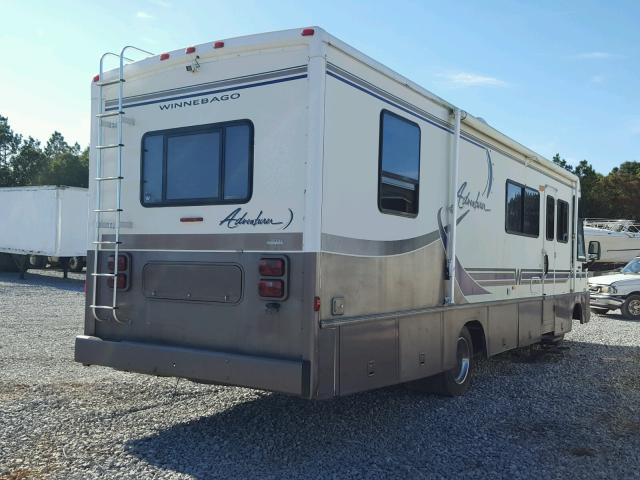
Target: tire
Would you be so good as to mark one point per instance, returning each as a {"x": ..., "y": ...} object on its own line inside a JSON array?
[
  {"x": 599, "y": 311},
  {"x": 37, "y": 261},
  {"x": 454, "y": 382},
  {"x": 631, "y": 307},
  {"x": 76, "y": 264}
]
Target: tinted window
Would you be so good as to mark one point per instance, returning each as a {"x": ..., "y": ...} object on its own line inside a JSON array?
[
  {"x": 522, "y": 210},
  {"x": 152, "y": 158},
  {"x": 198, "y": 165},
  {"x": 399, "y": 174},
  {"x": 514, "y": 208},
  {"x": 563, "y": 221},
  {"x": 531, "y": 217},
  {"x": 237, "y": 166},
  {"x": 551, "y": 218},
  {"x": 193, "y": 166}
]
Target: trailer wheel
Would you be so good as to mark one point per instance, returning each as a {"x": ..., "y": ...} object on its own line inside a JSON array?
[
  {"x": 456, "y": 381},
  {"x": 37, "y": 261},
  {"x": 76, "y": 264},
  {"x": 631, "y": 307},
  {"x": 599, "y": 311}
]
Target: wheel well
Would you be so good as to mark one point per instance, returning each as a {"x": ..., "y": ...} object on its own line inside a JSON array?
[
  {"x": 577, "y": 312},
  {"x": 477, "y": 337}
]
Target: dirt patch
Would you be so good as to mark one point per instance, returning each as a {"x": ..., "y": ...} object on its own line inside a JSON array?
[
  {"x": 582, "y": 452},
  {"x": 539, "y": 354},
  {"x": 19, "y": 474}
]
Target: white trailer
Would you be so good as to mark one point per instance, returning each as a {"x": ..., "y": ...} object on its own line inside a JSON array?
[
  {"x": 282, "y": 212},
  {"x": 611, "y": 243},
  {"x": 43, "y": 223}
]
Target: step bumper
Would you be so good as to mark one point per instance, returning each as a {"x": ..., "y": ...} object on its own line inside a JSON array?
[{"x": 278, "y": 375}]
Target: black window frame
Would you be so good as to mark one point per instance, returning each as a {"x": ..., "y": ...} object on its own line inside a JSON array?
[
  {"x": 523, "y": 188},
  {"x": 194, "y": 129},
  {"x": 553, "y": 219},
  {"x": 560, "y": 201},
  {"x": 402, "y": 178}
]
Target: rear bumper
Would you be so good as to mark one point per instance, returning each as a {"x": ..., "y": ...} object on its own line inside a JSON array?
[
  {"x": 605, "y": 301},
  {"x": 196, "y": 364}
]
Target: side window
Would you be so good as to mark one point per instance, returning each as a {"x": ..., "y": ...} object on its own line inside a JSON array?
[
  {"x": 563, "y": 221},
  {"x": 551, "y": 218},
  {"x": 522, "y": 210},
  {"x": 203, "y": 165},
  {"x": 399, "y": 169}
]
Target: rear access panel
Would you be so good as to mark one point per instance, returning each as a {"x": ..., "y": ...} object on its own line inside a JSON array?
[
  {"x": 198, "y": 282},
  {"x": 368, "y": 356}
]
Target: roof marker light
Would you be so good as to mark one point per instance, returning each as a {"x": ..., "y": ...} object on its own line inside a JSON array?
[
  {"x": 190, "y": 50},
  {"x": 308, "y": 32},
  {"x": 164, "y": 56},
  {"x": 96, "y": 78},
  {"x": 218, "y": 44}
]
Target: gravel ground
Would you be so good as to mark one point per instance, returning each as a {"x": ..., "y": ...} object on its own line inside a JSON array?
[{"x": 573, "y": 411}]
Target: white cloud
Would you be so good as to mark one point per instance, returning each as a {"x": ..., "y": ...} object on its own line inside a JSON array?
[
  {"x": 144, "y": 15},
  {"x": 466, "y": 79},
  {"x": 598, "y": 79},
  {"x": 596, "y": 56},
  {"x": 161, "y": 3}
]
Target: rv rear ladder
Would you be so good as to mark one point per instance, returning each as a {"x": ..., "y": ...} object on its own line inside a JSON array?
[{"x": 117, "y": 178}]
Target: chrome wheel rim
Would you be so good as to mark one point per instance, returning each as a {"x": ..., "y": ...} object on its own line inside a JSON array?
[
  {"x": 634, "y": 307},
  {"x": 463, "y": 358}
]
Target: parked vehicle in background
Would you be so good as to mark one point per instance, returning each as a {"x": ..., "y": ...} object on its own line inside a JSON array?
[
  {"x": 300, "y": 218},
  {"x": 619, "y": 290},
  {"x": 611, "y": 243},
  {"x": 44, "y": 225}
]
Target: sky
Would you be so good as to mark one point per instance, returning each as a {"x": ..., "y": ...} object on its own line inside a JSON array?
[{"x": 555, "y": 76}]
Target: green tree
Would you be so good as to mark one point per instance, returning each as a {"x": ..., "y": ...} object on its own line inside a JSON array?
[
  {"x": 9, "y": 144},
  {"x": 29, "y": 163},
  {"x": 66, "y": 164},
  {"x": 67, "y": 168},
  {"x": 562, "y": 162}
]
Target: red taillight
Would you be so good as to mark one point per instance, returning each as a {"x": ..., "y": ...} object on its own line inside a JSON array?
[
  {"x": 96, "y": 78},
  {"x": 190, "y": 50},
  {"x": 308, "y": 32},
  {"x": 271, "y": 267},
  {"x": 122, "y": 263},
  {"x": 218, "y": 44},
  {"x": 164, "y": 56},
  {"x": 316, "y": 304},
  {"x": 271, "y": 288},
  {"x": 121, "y": 283}
]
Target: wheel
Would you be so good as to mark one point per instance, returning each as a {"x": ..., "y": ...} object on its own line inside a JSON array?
[
  {"x": 631, "y": 307},
  {"x": 456, "y": 381},
  {"x": 37, "y": 261},
  {"x": 76, "y": 264},
  {"x": 599, "y": 311}
]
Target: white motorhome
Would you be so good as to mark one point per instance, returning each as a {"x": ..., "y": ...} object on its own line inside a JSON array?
[{"x": 282, "y": 212}]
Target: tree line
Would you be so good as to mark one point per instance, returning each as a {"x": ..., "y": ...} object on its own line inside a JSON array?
[
  {"x": 614, "y": 195},
  {"x": 24, "y": 161}
]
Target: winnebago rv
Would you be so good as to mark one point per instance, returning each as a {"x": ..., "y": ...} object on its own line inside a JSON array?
[
  {"x": 282, "y": 212},
  {"x": 43, "y": 224}
]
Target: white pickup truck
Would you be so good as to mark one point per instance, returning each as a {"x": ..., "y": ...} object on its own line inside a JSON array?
[{"x": 619, "y": 290}]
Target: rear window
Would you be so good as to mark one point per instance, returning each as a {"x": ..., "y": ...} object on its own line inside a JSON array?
[{"x": 201, "y": 165}]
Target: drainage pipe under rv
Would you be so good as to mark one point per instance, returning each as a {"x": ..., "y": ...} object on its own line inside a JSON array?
[{"x": 453, "y": 224}]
